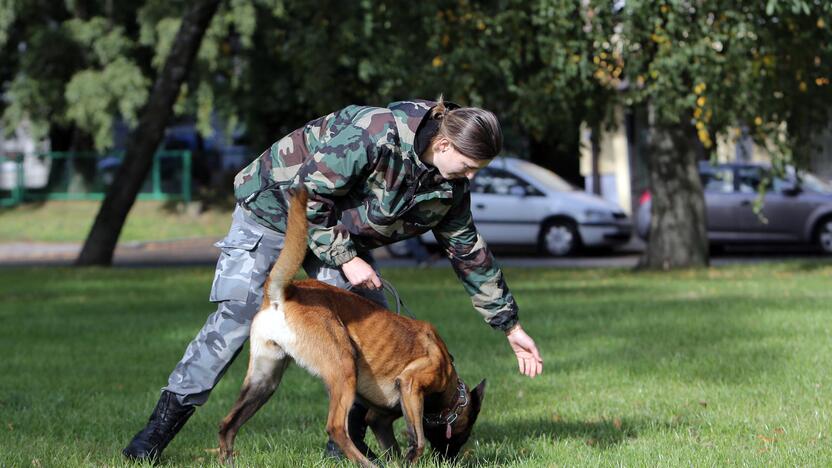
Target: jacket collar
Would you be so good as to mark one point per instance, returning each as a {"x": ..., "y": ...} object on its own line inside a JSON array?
[{"x": 409, "y": 117}]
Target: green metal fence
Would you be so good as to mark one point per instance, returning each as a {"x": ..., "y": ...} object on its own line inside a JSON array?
[{"x": 87, "y": 176}]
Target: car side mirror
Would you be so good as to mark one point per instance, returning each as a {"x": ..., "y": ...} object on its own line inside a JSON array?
[{"x": 518, "y": 191}]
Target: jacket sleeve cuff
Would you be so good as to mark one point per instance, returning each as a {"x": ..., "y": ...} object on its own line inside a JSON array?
[
  {"x": 505, "y": 320},
  {"x": 332, "y": 245},
  {"x": 342, "y": 258},
  {"x": 338, "y": 254}
]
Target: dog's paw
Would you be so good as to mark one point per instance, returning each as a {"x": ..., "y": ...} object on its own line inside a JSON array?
[
  {"x": 413, "y": 454},
  {"x": 227, "y": 457}
]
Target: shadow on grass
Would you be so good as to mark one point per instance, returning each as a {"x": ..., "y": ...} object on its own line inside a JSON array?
[
  {"x": 598, "y": 434},
  {"x": 595, "y": 433}
]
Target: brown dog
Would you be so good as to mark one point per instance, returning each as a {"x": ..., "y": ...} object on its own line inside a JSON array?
[{"x": 393, "y": 364}]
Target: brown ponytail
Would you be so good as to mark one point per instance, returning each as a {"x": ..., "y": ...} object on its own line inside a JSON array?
[
  {"x": 439, "y": 110},
  {"x": 474, "y": 132}
]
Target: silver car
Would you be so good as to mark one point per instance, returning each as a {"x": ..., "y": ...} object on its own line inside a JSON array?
[
  {"x": 796, "y": 208},
  {"x": 515, "y": 202}
]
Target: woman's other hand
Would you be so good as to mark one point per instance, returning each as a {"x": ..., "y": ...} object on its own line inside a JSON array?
[{"x": 528, "y": 358}]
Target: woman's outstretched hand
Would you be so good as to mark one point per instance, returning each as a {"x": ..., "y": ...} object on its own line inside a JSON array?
[{"x": 528, "y": 358}]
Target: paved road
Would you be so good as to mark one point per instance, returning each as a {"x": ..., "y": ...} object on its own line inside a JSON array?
[
  {"x": 131, "y": 254},
  {"x": 195, "y": 252}
]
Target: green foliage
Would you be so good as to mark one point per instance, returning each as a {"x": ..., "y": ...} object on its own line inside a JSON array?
[
  {"x": 72, "y": 71},
  {"x": 163, "y": 40},
  {"x": 309, "y": 62},
  {"x": 543, "y": 66},
  {"x": 112, "y": 84},
  {"x": 7, "y": 16},
  {"x": 95, "y": 96},
  {"x": 533, "y": 62},
  {"x": 36, "y": 90},
  {"x": 92, "y": 64},
  {"x": 723, "y": 64},
  {"x": 219, "y": 79}
]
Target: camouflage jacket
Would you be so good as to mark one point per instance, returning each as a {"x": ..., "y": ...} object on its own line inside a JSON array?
[{"x": 368, "y": 188}]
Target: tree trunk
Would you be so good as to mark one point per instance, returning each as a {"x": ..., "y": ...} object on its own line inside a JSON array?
[
  {"x": 595, "y": 140},
  {"x": 678, "y": 237},
  {"x": 143, "y": 141}
]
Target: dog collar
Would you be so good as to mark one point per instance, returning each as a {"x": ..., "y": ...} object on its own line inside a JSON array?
[{"x": 448, "y": 416}]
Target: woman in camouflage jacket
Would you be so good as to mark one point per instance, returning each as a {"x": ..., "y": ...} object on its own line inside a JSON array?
[{"x": 374, "y": 176}]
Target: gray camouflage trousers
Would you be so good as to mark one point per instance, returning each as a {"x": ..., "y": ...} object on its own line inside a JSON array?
[{"x": 248, "y": 253}]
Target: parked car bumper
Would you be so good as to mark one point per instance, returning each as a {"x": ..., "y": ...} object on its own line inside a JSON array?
[{"x": 605, "y": 234}]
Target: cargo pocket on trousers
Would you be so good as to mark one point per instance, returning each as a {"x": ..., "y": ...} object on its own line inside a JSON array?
[{"x": 232, "y": 280}]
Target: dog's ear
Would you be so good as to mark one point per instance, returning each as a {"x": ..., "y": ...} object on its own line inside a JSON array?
[{"x": 478, "y": 394}]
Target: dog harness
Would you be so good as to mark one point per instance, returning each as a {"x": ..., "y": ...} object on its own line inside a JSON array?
[{"x": 448, "y": 416}]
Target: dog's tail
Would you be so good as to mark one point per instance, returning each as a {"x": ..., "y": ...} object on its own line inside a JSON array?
[{"x": 294, "y": 249}]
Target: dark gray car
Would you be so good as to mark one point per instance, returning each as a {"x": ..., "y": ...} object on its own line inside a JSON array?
[{"x": 796, "y": 208}]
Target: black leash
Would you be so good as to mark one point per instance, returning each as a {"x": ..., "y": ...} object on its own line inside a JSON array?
[{"x": 388, "y": 286}]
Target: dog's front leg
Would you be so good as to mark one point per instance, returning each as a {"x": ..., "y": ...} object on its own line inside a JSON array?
[
  {"x": 341, "y": 386},
  {"x": 412, "y": 401}
]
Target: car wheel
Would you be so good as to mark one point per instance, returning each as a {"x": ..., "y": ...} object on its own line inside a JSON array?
[
  {"x": 559, "y": 238},
  {"x": 824, "y": 235}
]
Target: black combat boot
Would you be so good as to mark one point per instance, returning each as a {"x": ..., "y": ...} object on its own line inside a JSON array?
[{"x": 166, "y": 420}]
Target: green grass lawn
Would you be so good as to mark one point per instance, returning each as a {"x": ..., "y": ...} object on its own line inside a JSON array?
[
  {"x": 70, "y": 221},
  {"x": 721, "y": 367}
]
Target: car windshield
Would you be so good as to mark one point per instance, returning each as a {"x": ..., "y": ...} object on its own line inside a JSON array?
[
  {"x": 813, "y": 183},
  {"x": 751, "y": 177},
  {"x": 717, "y": 179},
  {"x": 546, "y": 177}
]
